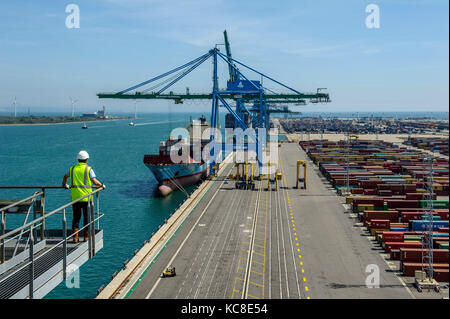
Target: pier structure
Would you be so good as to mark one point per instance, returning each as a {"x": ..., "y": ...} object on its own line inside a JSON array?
[
  {"x": 37, "y": 253},
  {"x": 262, "y": 243}
]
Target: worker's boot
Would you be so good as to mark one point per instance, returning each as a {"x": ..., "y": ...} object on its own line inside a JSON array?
[
  {"x": 86, "y": 234},
  {"x": 75, "y": 236}
]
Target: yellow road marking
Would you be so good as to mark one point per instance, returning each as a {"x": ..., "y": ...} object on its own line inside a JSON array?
[{"x": 255, "y": 284}]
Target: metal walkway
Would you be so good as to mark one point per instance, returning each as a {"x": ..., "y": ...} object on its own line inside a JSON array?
[{"x": 33, "y": 259}]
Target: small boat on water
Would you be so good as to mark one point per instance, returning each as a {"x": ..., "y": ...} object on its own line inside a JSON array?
[
  {"x": 131, "y": 123},
  {"x": 84, "y": 126}
]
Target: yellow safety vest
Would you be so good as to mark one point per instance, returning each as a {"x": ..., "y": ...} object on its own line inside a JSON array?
[{"x": 80, "y": 182}]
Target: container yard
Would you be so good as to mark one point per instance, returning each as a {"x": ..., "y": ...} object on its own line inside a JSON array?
[
  {"x": 387, "y": 188},
  {"x": 436, "y": 144},
  {"x": 364, "y": 125}
]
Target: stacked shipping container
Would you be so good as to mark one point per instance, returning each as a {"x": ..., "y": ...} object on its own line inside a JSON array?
[{"x": 387, "y": 193}]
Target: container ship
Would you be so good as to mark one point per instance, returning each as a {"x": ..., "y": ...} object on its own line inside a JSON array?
[{"x": 172, "y": 176}]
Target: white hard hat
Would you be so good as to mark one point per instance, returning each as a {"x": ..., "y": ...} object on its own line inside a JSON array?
[{"x": 82, "y": 155}]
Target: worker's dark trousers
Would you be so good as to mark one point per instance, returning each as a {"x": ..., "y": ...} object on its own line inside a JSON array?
[{"x": 77, "y": 207}]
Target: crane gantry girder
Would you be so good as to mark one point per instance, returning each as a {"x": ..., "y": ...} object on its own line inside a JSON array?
[{"x": 274, "y": 98}]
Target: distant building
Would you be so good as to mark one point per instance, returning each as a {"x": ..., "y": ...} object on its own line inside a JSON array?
[
  {"x": 102, "y": 113},
  {"x": 99, "y": 114}
]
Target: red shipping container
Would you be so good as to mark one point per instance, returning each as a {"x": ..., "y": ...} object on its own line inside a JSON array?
[
  {"x": 443, "y": 213},
  {"x": 403, "y": 203},
  {"x": 385, "y": 193},
  {"x": 441, "y": 275},
  {"x": 417, "y": 196},
  {"x": 392, "y": 215},
  {"x": 438, "y": 241},
  {"x": 395, "y": 254},
  {"x": 377, "y": 202},
  {"x": 388, "y": 246},
  {"x": 409, "y": 188},
  {"x": 414, "y": 196},
  {"x": 357, "y": 190},
  {"x": 409, "y": 269},
  {"x": 380, "y": 223},
  {"x": 415, "y": 255},
  {"x": 384, "y": 187},
  {"x": 443, "y": 229},
  {"x": 407, "y": 216},
  {"x": 370, "y": 192},
  {"x": 393, "y": 236}
]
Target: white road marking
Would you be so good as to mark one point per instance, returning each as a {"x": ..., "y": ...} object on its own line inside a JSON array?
[{"x": 184, "y": 241}]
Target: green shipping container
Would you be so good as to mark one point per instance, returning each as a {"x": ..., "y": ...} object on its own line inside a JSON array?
[
  {"x": 438, "y": 204},
  {"x": 412, "y": 238}
]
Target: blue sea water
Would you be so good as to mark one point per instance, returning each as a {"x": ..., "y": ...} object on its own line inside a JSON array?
[{"x": 42, "y": 154}]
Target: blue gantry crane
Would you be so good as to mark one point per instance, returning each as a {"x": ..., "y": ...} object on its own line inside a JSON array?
[{"x": 239, "y": 89}]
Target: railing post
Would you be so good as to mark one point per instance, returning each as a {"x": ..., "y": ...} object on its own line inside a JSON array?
[
  {"x": 31, "y": 257},
  {"x": 98, "y": 210},
  {"x": 43, "y": 213},
  {"x": 64, "y": 224},
  {"x": 92, "y": 228},
  {"x": 88, "y": 227},
  {"x": 2, "y": 243}
]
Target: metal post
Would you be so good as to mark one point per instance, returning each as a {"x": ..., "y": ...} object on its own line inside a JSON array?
[
  {"x": 304, "y": 175},
  {"x": 93, "y": 231},
  {"x": 276, "y": 180},
  {"x": 64, "y": 224},
  {"x": 98, "y": 210},
  {"x": 427, "y": 236},
  {"x": 88, "y": 228},
  {"x": 2, "y": 243},
  {"x": 31, "y": 258},
  {"x": 91, "y": 227},
  {"x": 246, "y": 173},
  {"x": 43, "y": 213},
  {"x": 213, "y": 112},
  {"x": 347, "y": 163}
]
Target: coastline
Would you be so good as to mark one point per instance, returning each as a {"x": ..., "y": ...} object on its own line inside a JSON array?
[{"x": 60, "y": 123}]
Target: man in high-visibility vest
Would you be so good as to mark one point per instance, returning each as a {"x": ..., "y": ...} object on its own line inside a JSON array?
[{"x": 81, "y": 179}]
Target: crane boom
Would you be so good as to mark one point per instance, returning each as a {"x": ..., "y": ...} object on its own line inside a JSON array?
[{"x": 228, "y": 51}]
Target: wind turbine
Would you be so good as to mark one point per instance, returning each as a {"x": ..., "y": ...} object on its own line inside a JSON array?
[
  {"x": 73, "y": 104},
  {"x": 135, "y": 109},
  {"x": 15, "y": 107}
]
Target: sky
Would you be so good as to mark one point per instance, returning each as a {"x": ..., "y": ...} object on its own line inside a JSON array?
[{"x": 401, "y": 66}]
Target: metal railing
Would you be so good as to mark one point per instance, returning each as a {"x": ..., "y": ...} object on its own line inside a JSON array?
[{"x": 27, "y": 234}]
